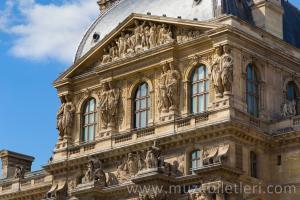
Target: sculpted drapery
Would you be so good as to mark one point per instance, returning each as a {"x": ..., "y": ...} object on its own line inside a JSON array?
[
  {"x": 168, "y": 89},
  {"x": 222, "y": 71},
  {"x": 65, "y": 117},
  {"x": 108, "y": 105}
]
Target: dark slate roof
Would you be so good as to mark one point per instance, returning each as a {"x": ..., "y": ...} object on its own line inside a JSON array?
[
  {"x": 291, "y": 24},
  {"x": 291, "y": 17},
  {"x": 238, "y": 8}
]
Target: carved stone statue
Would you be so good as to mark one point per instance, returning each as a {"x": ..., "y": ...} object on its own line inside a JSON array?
[
  {"x": 168, "y": 89},
  {"x": 19, "y": 172},
  {"x": 216, "y": 72},
  {"x": 109, "y": 100},
  {"x": 153, "y": 159},
  {"x": 65, "y": 117},
  {"x": 131, "y": 165},
  {"x": 289, "y": 109},
  {"x": 222, "y": 71},
  {"x": 227, "y": 72},
  {"x": 95, "y": 172}
]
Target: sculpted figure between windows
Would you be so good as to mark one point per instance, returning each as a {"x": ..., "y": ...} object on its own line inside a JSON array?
[
  {"x": 222, "y": 71},
  {"x": 109, "y": 100},
  {"x": 168, "y": 89},
  {"x": 65, "y": 117}
]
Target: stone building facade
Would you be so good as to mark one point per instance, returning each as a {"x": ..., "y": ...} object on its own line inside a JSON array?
[{"x": 203, "y": 105}]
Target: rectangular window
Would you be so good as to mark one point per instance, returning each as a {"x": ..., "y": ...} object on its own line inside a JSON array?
[
  {"x": 279, "y": 160},
  {"x": 253, "y": 163}
]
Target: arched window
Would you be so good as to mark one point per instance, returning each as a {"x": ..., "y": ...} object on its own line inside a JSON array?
[
  {"x": 142, "y": 104},
  {"x": 89, "y": 120},
  {"x": 195, "y": 160},
  {"x": 199, "y": 90},
  {"x": 252, "y": 91},
  {"x": 291, "y": 91}
]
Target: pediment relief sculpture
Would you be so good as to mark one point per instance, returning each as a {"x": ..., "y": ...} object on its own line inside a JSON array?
[
  {"x": 65, "y": 117},
  {"x": 168, "y": 88},
  {"x": 222, "y": 71},
  {"x": 109, "y": 105},
  {"x": 142, "y": 36}
]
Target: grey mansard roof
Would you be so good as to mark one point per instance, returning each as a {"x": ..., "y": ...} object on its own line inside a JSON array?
[{"x": 186, "y": 9}]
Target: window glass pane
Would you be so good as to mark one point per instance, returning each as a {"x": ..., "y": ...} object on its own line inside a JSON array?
[
  {"x": 207, "y": 86},
  {"x": 92, "y": 105},
  {"x": 201, "y": 103},
  {"x": 85, "y": 134},
  {"x": 200, "y": 73},
  {"x": 291, "y": 91},
  {"x": 86, "y": 120},
  {"x": 249, "y": 72},
  {"x": 137, "y": 105},
  {"x": 201, "y": 87},
  {"x": 143, "y": 90},
  {"x": 136, "y": 120},
  {"x": 249, "y": 87},
  {"x": 206, "y": 102},
  {"x": 143, "y": 119},
  {"x": 91, "y": 131},
  {"x": 91, "y": 118},
  {"x": 194, "y": 108},
  {"x": 86, "y": 109},
  {"x": 143, "y": 104},
  {"x": 195, "y": 76},
  {"x": 148, "y": 103},
  {"x": 194, "y": 88}
]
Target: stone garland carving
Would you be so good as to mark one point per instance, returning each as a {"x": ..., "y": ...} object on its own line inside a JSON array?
[
  {"x": 144, "y": 36},
  {"x": 108, "y": 105},
  {"x": 95, "y": 173},
  {"x": 288, "y": 109},
  {"x": 19, "y": 172},
  {"x": 168, "y": 89},
  {"x": 65, "y": 117},
  {"x": 222, "y": 71}
]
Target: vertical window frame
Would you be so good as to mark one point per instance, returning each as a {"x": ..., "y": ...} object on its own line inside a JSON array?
[
  {"x": 86, "y": 114},
  {"x": 138, "y": 110},
  {"x": 252, "y": 97},
  {"x": 253, "y": 164},
  {"x": 195, "y": 81}
]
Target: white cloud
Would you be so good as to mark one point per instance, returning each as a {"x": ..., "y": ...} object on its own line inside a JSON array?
[{"x": 48, "y": 31}]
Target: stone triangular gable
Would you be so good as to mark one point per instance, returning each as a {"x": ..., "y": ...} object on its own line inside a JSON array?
[{"x": 137, "y": 35}]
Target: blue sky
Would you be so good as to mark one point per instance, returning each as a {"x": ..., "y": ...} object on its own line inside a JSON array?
[{"x": 38, "y": 40}]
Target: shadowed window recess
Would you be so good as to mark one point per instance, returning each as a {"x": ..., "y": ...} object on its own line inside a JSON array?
[{"x": 252, "y": 91}]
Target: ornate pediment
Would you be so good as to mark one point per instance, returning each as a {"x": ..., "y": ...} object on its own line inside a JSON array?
[{"x": 137, "y": 35}]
